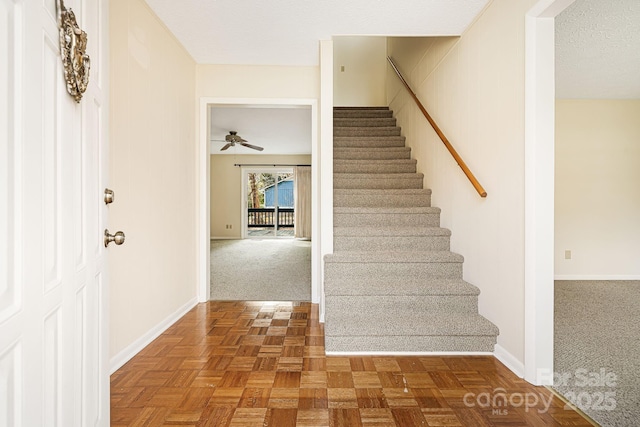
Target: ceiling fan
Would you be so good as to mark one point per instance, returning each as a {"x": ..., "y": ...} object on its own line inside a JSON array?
[{"x": 234, "y": 138}]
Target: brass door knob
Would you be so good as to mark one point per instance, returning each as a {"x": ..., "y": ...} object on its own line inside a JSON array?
[{"x": 117, "y": 238}]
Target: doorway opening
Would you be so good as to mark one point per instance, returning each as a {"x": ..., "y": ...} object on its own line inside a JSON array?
[{"x": 221, "y": 172}]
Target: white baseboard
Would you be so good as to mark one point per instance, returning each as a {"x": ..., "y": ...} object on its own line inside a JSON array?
[
  {"x": 225, "y": 238},
  {"x": 509, "y": 360},
  {"x": 596, "y": 277},
  {"x": 135, "y": 347}
]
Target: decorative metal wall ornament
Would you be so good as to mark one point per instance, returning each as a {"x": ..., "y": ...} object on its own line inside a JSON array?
[{"x": 73, "y": 49}]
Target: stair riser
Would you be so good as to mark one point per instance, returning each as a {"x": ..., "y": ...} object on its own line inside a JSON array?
[
  {"x": 344, "y": 272},
  {"x": 361, "y": 108},
  {"x": 367, "y": 144},
  {"x": 419, "y": 344},
  {"x": 443, "y": 323},
  {"x": 370, "y": 114},
  {"x": 364, "y": 122},
  {"x": 366, "y": 131},
  {"x": 343, "y": 308},
  {"x": 382, "y": 201},
  {"x": 385, "y": 219},
  {"x": 401, "y": 286},
  {"x": 356, "y": 154},
  {"x": 374, "y": 168},
  {"x": 371, "y": 182},
  {"x": 391, "y": 243}
]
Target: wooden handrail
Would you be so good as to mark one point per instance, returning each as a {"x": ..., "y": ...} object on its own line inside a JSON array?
[{"x": 444, "y": 139}]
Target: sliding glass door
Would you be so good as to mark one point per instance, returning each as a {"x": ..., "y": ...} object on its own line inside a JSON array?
[{"x": 268, "y": 197}]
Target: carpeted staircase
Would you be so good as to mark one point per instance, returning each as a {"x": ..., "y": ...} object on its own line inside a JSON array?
[{"x": 392, "y": 285}]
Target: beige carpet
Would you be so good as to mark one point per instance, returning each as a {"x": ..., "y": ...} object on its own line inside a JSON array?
[
  {"x": 261, "y": 270},
  {"x": 597, "y": 348}
]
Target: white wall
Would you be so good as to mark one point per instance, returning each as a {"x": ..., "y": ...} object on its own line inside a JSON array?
[
  {"x": 359, "y": 71},
  {"x": 412, "y": 52},
  {"x": 474, "y": 88},
  {"x": 257, "y": 81},
  {"x": 597, "y": 190},
  {"x": 152, "y": 159},
  {"x": 226, "y": 189}
]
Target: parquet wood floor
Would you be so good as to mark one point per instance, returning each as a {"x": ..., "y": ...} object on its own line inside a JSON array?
[{"x": 263, "y": 364}]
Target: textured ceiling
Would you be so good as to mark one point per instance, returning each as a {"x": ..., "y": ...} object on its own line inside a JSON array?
[
  {"x": 279, "y": 130},
  {"x": 286, "y": 32},
  {"x": 598, "y": 49}
]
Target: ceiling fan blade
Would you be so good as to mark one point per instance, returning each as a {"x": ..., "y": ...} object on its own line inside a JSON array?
[
  {"x": 255, "y": 147},
  {"x": 227, "y": 146}
]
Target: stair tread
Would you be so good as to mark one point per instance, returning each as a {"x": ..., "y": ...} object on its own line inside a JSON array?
[
  {"x": 367, "y": 128},
  {"x": 367, "y": 118},
  {"x": 386, "y": 210},
  {"x": 390, "y": 231},
  {"x": 401, "y": 286},
  {"x": 400, "y": 324},
  {"x": 363, "y": 166},
  {"x": 363, "y": 121},
  {"x": 370, "y": 154},
  {"x": 370, "y": 114},
  {"x": 369, "y": 138},
  {"x": 375, "y": 161},
  {"x": 382, "y": 192},
  {"x": 343, "y": 108},
  {"x": 397, "y": 257},
  {"x": 361, "y": 175},
  {"x": 366, "y": 149}
]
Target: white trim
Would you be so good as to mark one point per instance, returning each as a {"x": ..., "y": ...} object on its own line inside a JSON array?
[
  {"x": 204, "y": 163},
  {"x": 135, "y": 347},
  {"x": 596, "y": 277},
  {"x": 244, "y": 181},
  {"x": 549, "y": 8},
  {"x": 325, "y": 154},
  {"x": 539, "y": 188},
  {"x": 539, "y": 194},
  {"x": 203, "y": 204},
  {"x": 509, "y": 360},
  {"x": 409, "y": 353},
  {"x": 225, "y": 238}
]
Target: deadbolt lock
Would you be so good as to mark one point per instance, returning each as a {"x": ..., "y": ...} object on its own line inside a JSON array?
[{"x": 108, "y": 196}]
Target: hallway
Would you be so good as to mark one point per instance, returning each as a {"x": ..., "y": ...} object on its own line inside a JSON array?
[{"x": 237, "y": 363}]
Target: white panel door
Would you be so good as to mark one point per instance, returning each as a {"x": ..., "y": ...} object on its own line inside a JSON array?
[{"x": 53, "y": 351}]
